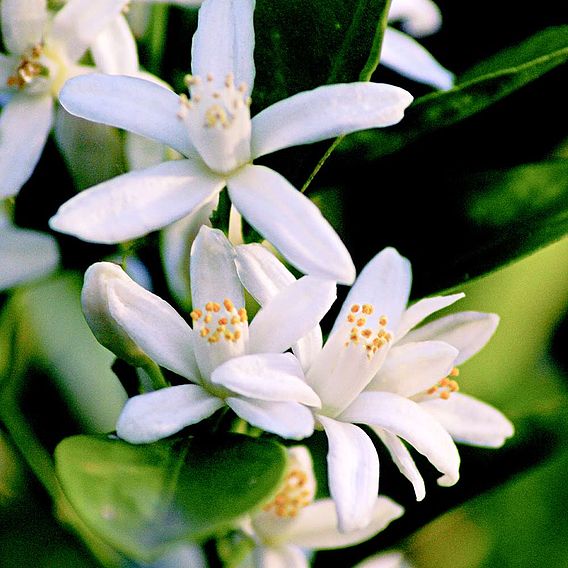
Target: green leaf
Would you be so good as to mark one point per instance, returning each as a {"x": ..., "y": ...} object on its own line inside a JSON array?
[
  {"x": 143, "y": 499},
  {"x": 302, "y": 44},
  {"x": 476, "y": 90}
]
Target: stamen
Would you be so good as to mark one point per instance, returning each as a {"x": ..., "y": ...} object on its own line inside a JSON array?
[
  {"x": 229, "y": 324},
  {"x": 28, "y": 69},
  {"x": 371, "y": 339},
  {"x": 446, "y": 386},
  {"x": 293, "y": 497}
]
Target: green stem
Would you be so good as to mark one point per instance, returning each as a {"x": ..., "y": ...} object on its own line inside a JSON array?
[
  {"x": 156, "y": 42},
  {"x": 155, "y": 374},
  {"x": 322, "y": 161}
]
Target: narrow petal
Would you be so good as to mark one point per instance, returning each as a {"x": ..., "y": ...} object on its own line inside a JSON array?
[
  {"x": 405, "y": 418},
  {"x": 308, "y": 348},
  {"x": 291, "y": 222},
  {"x": 406, "y": 56},
  {"x": 470, "y": 421},
  {"x": 422, "y": 309},
  {"x": 384, "y": 560},
  {"x": 114, "y": 50},
  {"x": 287, "y": 419},
  {"x": 315, "y": 527},
  {"x": 353, "y": 473},
  {"x": 213, "y": 272},
  {"x": 468, "y": 332},
  {"x": 419, "y": 17},
  {"x": 224, "y": 41},
  {"x": 79, "y": 22},
  {"x": 130, "y": 103},
  {"x": 291, "y": 314},
  {"x": 327, "y": 112},
  {"x": 152, "y": 416},
  {"x": 383, "y": 283},
  {"x": 25, "y": 123},
  {"x": 134, "y": 204},
  {"x": 413, "y": 368},
  {"x": 23, "y": 23},
  {"x": 403, "y": 460},
  {"x": 275, "y": 377}
]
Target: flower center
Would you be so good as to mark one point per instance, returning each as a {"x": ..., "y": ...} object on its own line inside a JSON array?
[
  {"x": 30, "y": 67},
  {"x": 220, "y": 322},
  {"x": 294, "y": 495},
  {"x": 363, "y": 333},
  {"x": 218, "y": 119},
  {"x": 446, "y": 386}
]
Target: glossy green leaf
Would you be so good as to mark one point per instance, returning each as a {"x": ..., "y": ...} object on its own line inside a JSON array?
[
  {"x": 143, "y": 499},
  {"x": 302, "y": 44},
  {"x": 476, "y": 90}
]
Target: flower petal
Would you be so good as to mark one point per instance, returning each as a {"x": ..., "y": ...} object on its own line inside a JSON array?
[
  {"x": 134, "y": 204},
  {"x": 152, "y": 416},
  {"x": 385, "y": 284},
  {"x": 114, "y": 50},
  {"x": 287, "y": 419},
  {"x": 353, "y": 473},
  {"x": 419, "y": 17},
  {"x": 326, "y": 112},
  {"x": 79, "y": 22},
  {"x": 407, "y": 57},
  {"x": 466, "y": 331},
  {"x": 291, "y": 222},
  {"x": 277, "y": 557},
  {"x": 422, "y": 309},
  {"x": 384, "y": 560},
  {"x": 291, "y": 314},
  {"x": 224, "y": 41},
  {"x": 403, "y": 460},
  {"x": 413, "y": 368},
  {"x": 275, "y": 377},
  {"x": 23, "y": 23},
  {"x": 130, "y": 103},
  {"x": 408, "y": 420},
  {"x": 25, "y": 123},
  {"x": 147, "y": 320},
  {"x": 315, "y": 527},
  {"x": 470, "y": 421}
]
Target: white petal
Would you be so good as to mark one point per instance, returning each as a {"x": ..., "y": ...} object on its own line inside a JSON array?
[
  {"x": 419, "y": 17},
  {"x": 315, "y": 527},
  {"x": 353, "y": 473},
  {"x": 275, "y": 377},
  {"x": 175, "y": 245},
  {"x": 408, "y": 420},
  {"x": 287, "y": 419},
  {"x": 114, "y": 49},
  {"x": 308, "y": 348},
  {"x": 327, "y": 112},
  {"x": 407, "y": 57},
  {"x": 422, "y": 309},
  {"x": 130, "y": 103},
  {"x": 291, "y": 222},
  {"x": 468, "y": 332},
  {"x": 384, "y": 560},
  {"x": 23, "y": 23},
  {"x": 7, "y": 66},
  {"x": 134, "y": 204},
  {"x": 213, "y": 272},
  {"x": 413, "y": 368},
  {"x": 291, "y": 314},
  {"x": 470, "y": 421},
  {"x": 403, "y": 460},
  {"x": 25, "y": 123},
  {"x": 156, "y": 415},
  {"x": 79, "y": 22},
  {"x": 278, "y": 557},
  {"x": 224, "y": 41},
  {"x": 25, "y": 255},
  {"x": 385, "y": 284}
]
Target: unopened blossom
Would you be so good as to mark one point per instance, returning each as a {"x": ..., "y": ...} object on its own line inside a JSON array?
[
  {"x": 227, "y": 360},
  {"x": 373, "y": 371},
  {"x": 214, "y": 131},
  {"x": 293, "y": 524},
  {"x": 402, "y": 53},
  {"x": 44, "y": 50}
]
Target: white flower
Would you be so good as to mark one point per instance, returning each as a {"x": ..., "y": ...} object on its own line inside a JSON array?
[
  {"x": 227, "y": 361},
  {"x": 24, "y": 254},
  {"x": 404, "y": 54},
  {"x": 44, "y": 51},
  {"x": 373, "y": 371},
  {"x": 214, "y": 131},
  {"x": 293, "y": 525}
]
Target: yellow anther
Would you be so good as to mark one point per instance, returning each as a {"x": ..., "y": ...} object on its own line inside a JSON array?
[
  {"x": 229, "y": 81},
  {"x": 243, "y": 314},
  {"x": 444, "y": 395},
  {"x": 355, "y": 308},
  {"x": 235, "y": 320},
  {"x": 383, "y": 320},
  {"x": 229, "y": 306},
  {"x": 455, "y": 372},
  {"x": 444, "y": 382},
  {"x": 214, "y": 338},
  {"x": 209, "y": 77},
  {"x": 454, "y": 386},
  {"x": 204, "y": 331},
  {"x": 228, "y": 335},
  {"x": 367, "y": 309},
  {"x": 208, "y": 318},
  {"x": 216, "y": 115},
  {"x": 209, "y": 306},
  {"x": 351, "y": 318},
  {"x": 367, "y": 333},
  {"x": 236, "y": 335},
  {"x": 361, "y": 322},
  {"x": 223, "y": 321},
  {"x": 432, "y": 390},
  {"x": 195, "y": 314}
]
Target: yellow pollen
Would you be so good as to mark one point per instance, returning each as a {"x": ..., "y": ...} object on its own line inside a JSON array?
[
  {"x": 292, "y": 497},
  {"x": 367, "y": 309},
  {"x": 383, "y": 320},
  {"x": 216, "y": 115},
  {"x": 229, "y": 323},
  {"x": 444, "y": 395},
  {"x": 235, "y": 320},
  {"x": 28, "y": 69},
  {"x": 243, "y": 315},
  {"x": 445, "y": 386},
  {"x": 196, "y": 314},
  {"x": 351, "y": 318},
  {"x": 223, "y": 321},
  {"x": 370, "y": 339},
  {"x": 204, "y": 331},
  {"x": 236, "y": 335},
  {"x": 228, "y": 305},
  {"x": 355, "y": 308},
  {"x": 432, "y": 390},
  {"x": 367, "y": 333},
  {"x": 455, "y": 372},
  {"x": 208, "y": 318},
  {"x": 361, "y": 322}
]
